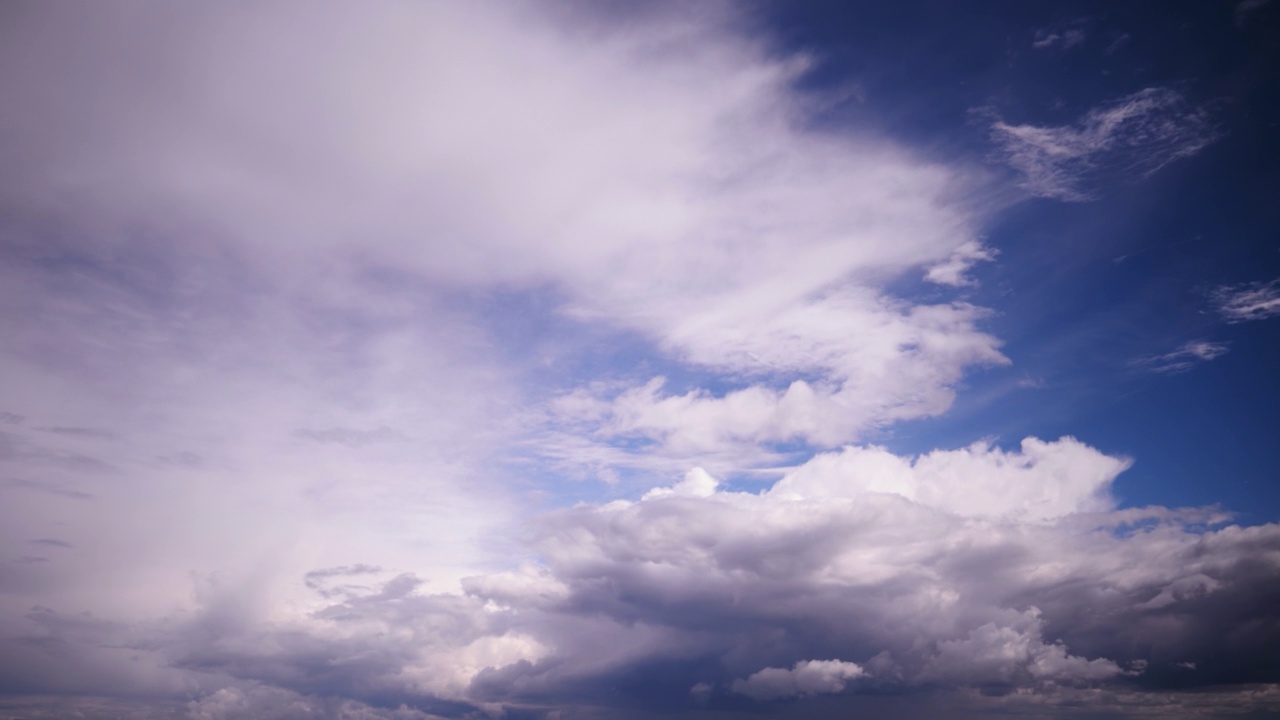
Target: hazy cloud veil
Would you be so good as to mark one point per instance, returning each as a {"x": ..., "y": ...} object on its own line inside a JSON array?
[{"x": 314, "y": 316}]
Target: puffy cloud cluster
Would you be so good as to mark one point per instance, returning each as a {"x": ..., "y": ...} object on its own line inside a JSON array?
[
  {"x": 1184, "y": 358},
  {"x": 869, "y": 362},
  {"x": 807, "y": 677},
  {"x": 857, "y": 574}
]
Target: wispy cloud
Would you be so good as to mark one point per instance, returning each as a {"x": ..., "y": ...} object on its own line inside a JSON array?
[
  {"x": 807, "y": 677},
  {"x": 1184, "y": 358},
  {"x": 1246, "y": 9},
  {"x": 1253, "y": 301},
  {"x": 946, "y": 573},
  {"x": 1132, "y": 137},
  {"x": 1065, "y": 38}
]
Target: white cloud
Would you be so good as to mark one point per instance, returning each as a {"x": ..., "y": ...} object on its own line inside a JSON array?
[
  {"x": 807, "y": 677},
  {"x": 1184, "y": 358},
  {"x": 660, "y": 180},
  {"x": 1045, "y": 480},
  {"x": 1048, "y": 598},
  {"x": 869, "y": 361},
  {"x": 1254, "y": 301},
  {"x": 952, "y": 271},
  {"x": 1134, "y": 136},
  {"x": 1013, "y": 574}
]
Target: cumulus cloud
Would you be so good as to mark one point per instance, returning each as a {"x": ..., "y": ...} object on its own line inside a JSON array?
[
  {"x": 1134, "y": 136},
  {"x": 837, "y": 560},
  {"x": 1253, "y": 301},
  {"x": 807, "y": 677},
  {"x": 1184, "y": 358},
  {"x": 844, "y": 577}
]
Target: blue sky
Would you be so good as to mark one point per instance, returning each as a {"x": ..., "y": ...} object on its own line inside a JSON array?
[{"x": 563, "y": 360}]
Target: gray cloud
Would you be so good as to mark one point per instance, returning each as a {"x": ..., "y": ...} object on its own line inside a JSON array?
[
  {"x": 95, "y": 433},
  {"x": 824, "y": 585}
]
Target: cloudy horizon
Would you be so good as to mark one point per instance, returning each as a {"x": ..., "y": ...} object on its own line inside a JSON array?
[{"x": 561, "y": 360}]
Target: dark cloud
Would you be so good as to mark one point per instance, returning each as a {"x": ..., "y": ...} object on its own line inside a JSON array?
[
  {"x": 78, "y": 432},
  {"x": 51, "y": 542}
]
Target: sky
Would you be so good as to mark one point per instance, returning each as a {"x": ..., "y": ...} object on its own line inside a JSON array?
[{"x": 564, "y": 360}]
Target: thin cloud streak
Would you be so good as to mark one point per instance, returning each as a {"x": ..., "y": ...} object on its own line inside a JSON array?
[
  {"x": 1132, "y": 137},
  {"x": 1184, "y": 358},
  {"x": 1254, "y": 301}
]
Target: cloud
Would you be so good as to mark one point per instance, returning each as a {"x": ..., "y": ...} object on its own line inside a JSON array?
[
  {"x": 1134, "y": 136},
  {"x": 1253, "y": 301},
  {"x": 1067, "y": 38},
  {"x": 1053, "y": 599},
  {"x": 1184, "y": 358},
  {"x": 807, "y": 677}
]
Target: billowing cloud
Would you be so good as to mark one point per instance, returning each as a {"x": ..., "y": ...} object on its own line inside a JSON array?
[
  {"x": 1134, "y": 136},
  {"x": 1255, "y": 301},
  {"x": 807, "y": 677},
  {"x": 858, "y": 572},
  {"x": 1064, "y": 38}
]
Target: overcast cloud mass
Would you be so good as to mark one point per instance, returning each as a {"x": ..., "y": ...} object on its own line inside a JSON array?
[{"x": 422, "y": 360}]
